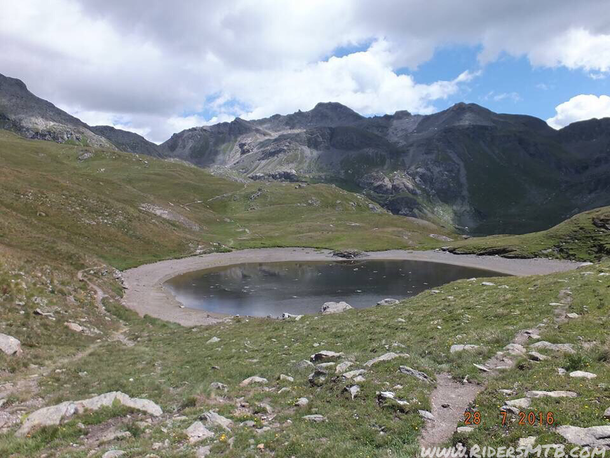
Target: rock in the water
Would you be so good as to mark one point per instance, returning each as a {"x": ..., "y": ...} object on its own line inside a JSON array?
[
  {"x": 522, "y": 403},
  {"x": 544, "y": 345},
  {"x": 385, "y": 357},
  {"x": 551, "y": 394},
  {"x": 388, "y": 301},
  {"x": 10, "y": 345},
  {"x": 213, "y": 419},
  {"x": 426, "y": 415},
  {"x": 334, "y": 307},
  {"x": 582, "y": 374},
  {"x": 54, "y": 415},
  {"x": 197, "y": 432},
  {"x": 315, "y": 418},
  {"x": 459, "y": 347},
  {"x": 254, "y": 379},
  {"x": 415, "y": 373},
  {"x": 595, "y": 436},
  {"x": 301, "y": 402},
  {"x": 325, "y": 354}
]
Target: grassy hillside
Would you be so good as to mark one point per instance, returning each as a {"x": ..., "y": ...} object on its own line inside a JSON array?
[
  {"x": 63, "y": 218},
  {"x": 66, "y": 202},
  {"x": 584, "y": 237}
]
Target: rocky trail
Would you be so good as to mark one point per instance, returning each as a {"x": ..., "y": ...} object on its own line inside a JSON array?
[{"x": 451, "y": 398}]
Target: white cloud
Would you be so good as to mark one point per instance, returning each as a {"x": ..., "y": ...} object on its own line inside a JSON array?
[
  {"x": 580, "y": 108},
  {"x": 146, "y": 62}
]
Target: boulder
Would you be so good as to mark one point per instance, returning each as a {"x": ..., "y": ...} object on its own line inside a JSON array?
[
  {"x": 301, "y": 402},
  {"x": 535, "y": 356},
  {"x": 303, "y": 365},
  {"x": 607, "y": 413},
  {"x": 352, "y": 374},
  {"x": 285, "y": 378},
  {"x": 334, "y": 307},
  {"x": 595, "y": 436},
  {"x": 426, "y": 415},
  {"x": 74, "y": 327},
  {"x": 213, "y": 340},
  {"x": 10, "y": 345},
  {"x": 54, "y": 415},
  {"x": 522, "y": 403},
  {"x": 342, "y": 367},
  {"x": 515, "y": 349},
  {"x": 113, "y": 454},
  {"x": 197, "y": 432}
]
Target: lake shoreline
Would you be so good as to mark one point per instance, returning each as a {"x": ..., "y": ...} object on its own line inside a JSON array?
[{"x": 147, "y": 295}]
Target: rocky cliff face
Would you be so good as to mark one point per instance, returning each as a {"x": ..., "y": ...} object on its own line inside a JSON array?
[
  {"x": 127, "y": 141},
  {"x": 466, "y": 166}
]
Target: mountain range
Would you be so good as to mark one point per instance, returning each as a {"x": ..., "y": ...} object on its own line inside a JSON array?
[{"x": 466, "y": 166}]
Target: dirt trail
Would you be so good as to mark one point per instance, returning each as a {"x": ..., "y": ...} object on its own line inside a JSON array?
[{"x": 458, "y": 396}]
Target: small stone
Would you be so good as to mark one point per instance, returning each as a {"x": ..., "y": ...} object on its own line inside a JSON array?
[
  {"x": 488, "y": 283},
  {"x": 304, "y": 365},
  {"x": 607, "y": 413},
  {"x": 527, "y": 442},
  {"x": 218, "y": 386},
  {"x": 459, "y": 347},
  {"x": 286, "y": 378},
  {"x": 415, "y": 373},
  {"x": 315, "y": 418},
  {"x": 203, "y": 452},
  {"x": 359, "y": 379},
  {"x": 465, "y": 429},
  {"x": 254, "y": 379},
  {"x": 535, "y": 356},
  {"x": 481, "y": 368},
  {"x": 551, "y": 394},
  {"x": 325, "y": 354},
  {"x": 388, "y": 301},
  {"x": 522, "y": 403},
  {"x": 325, "y": 366},
  {"x": 335, "y": 307},
  {"x": 213, "y": 340},
  {"x": 385, "y": 357},
  {"x": 582, "y": 374},
  {"x": 74, "y": 327},
  {"x": 113, "y": 454},
  {"x": 544, "y": 345},
  {"x": 317, "y": 378},
  {"x": 342, "y": 367},
  {"x": 301, "y": 402},
  {"x": 594, "y": 436},
  {"x": 572, "y": 316},
  {"x": 352, "y": 390},
  {"x": 426, "y": 415},
  {"x": 354, "y": 373},
  {"x": 561, "y": 371},
  {"x": 10, "y": 345},
  {"x": 214, "y": 419},
  {"x": 515, "y": 349},
  {"x": 197, "y": 432}
]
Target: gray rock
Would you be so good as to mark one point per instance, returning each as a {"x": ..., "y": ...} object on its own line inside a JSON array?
[
  {"x": 315, "y": 418},
  {"x": 318, "y": 377},
  {"x": 481, "y": 368},
  {"x": 203, "y": 452},
  {"x": 516, "y": 349},
  {"x": 595, "y": 436},
  {"x": 304, "y": 365},
  {"x": 286, "y": 378},
  {"x": 354, "y": 373},
  {"x": 551, "y": 394},
  {"x": 465, "y": 429},
  {"x": 335, "y": 307},
  {"x": 388, "y": 301},
  {"x": 301, "y": 402},
  {"x": 10, "y": 345},
  {"x": 582, "y": 374},
  {"x": 385, "y": 357},
  {"x": 415, "y": 373},
  {"x": 342, "y": 367},
  {"x": 213, "y": 340},
  {"x": 359, "y": 379},
  {"x": 218, "y": 386},
  {"x": 254, "y": 379},
  {"x": 384, "y": 396},
  {"x": 74, "y": 327},
  {"x": 113, "y": 454},
  {"x": 54, "y": 415},
  {"x": 522, "y": 403},
  {"x": 544, "y": 345},
  {"x": 289, "y": 316},
  {"x": 197, "y": 432},
  {"x": 459, "y": 347},
  {"x": 527, "y": 442},
  {"x": 607, "y": 413},
  {"x": 426, "y": 415},
  {"x": 352, "y": 390},
  {"x": 572, "y": 316},
  {"x": 213, "y": 419},
  {"x": 535, "y": 356},
  {"x": 325, "y": 354}
]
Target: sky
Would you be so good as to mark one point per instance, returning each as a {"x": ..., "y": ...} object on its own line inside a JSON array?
[{"x": 157, "y": 67}]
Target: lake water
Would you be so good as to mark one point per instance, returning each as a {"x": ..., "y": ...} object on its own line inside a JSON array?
[{"x": 264, "y": 289}]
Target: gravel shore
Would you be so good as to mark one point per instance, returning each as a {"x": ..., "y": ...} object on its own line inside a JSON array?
[{"x": 147, "y": 296}]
